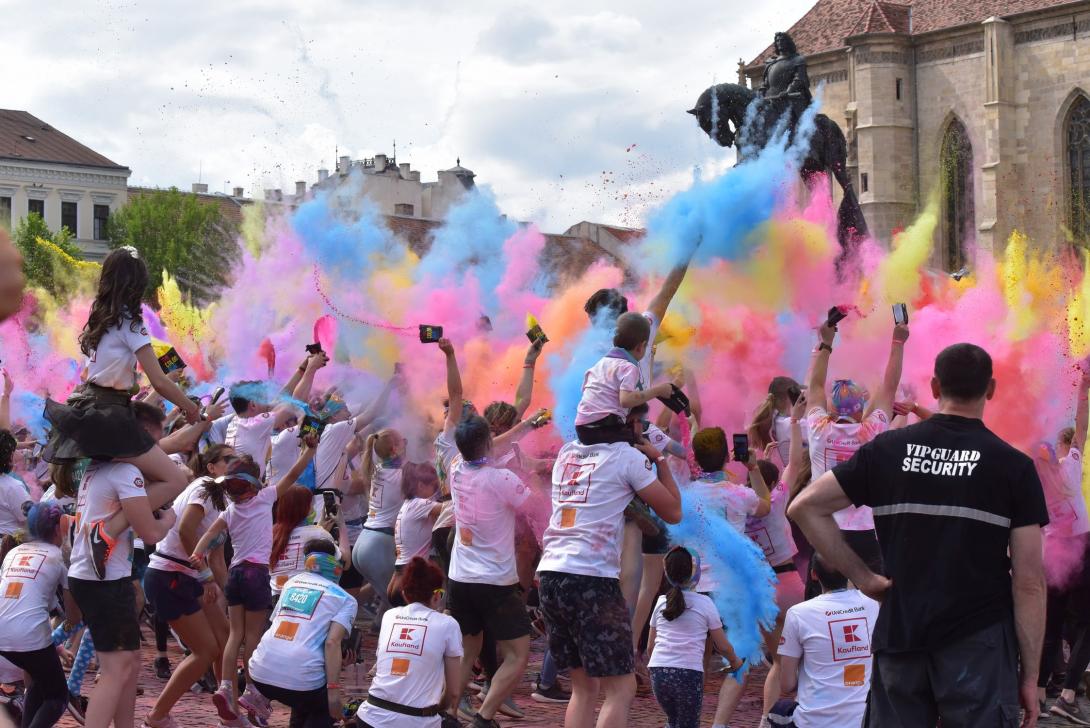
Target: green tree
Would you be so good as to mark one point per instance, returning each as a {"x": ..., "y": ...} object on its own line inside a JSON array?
[
  {"x": 179, "y": 234},
  {"x": 40, "y": 262}
]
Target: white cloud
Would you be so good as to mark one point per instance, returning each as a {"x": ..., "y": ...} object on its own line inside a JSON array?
[{"x": 541, "y": 101}]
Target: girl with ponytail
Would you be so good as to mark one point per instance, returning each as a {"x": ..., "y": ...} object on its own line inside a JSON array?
[{"x": 680, "y": 625}]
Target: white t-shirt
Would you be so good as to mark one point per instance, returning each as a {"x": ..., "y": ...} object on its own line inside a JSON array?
[
  {"x": 773, "y": 532},
  {"x": 648, "y": 361},
  {"x": 385, "y": 498},
  {"x": 28, "y": 590},
  {"x": 445, "y": 452},
  {"x": 663, "y": 442},
  {"x": 252, "y": 436},
  {"x": 831, "y": 633},
  {"x": 291, "y": 653},
  {"x": 113, "y": 363},
  {"x": 1067, "y": 515},
  {"x": 250, "y": 526},
  {"x": 283, "y": 453},
  {"x": 832, "y": 443},
  {"x": 781, "y": 430},
  {"x": 409, "y": 670},
  {"x": 13, "y": 494},
  {"x": 329, "y": 461},
  {"x": 66, "y": 502},
  {"x": 602, "y": 387},
  {"x": 292, "y": 561},
  {"x": 103, "y": 488},
  {"x": 171, "y": 545},
  {"x": 217, "y": 433},
  {"x": 412, "y": 531},
  {"x": 485, "y": 503},
  {"x": 680, "y": 643},
  {"x": 734, "y": 501},
  {"x": 592, "y": 485}
]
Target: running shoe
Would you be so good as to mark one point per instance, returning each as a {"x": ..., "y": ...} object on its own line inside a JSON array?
[
  {"x": 225, "y": 703},
  {"x": 479, "y": 722},
  {"x": 256, "y": 704},
  {"x": 511, "y": 709},
  {"x": 555, "y": 694},
  {"x": 1069, "y": 710},
  {"x": 77, "y": 708},
  {"x": 162, "y": 668},
  {"x": 102, "y": 545},
  {"x": 239, "y": 722},
  {"x": 167, "y": 722}
]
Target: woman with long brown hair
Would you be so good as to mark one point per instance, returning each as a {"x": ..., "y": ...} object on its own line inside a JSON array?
[{"x": 291, "y": 531}]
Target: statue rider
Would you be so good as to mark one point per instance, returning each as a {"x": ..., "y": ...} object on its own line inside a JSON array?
[{"x": 786, "y": 86}]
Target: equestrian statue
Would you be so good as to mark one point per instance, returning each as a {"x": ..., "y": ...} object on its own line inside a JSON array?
[{"x": 781, "y": 99}]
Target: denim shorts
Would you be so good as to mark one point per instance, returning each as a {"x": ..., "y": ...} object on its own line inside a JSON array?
[{"x": 248, "y": 586}]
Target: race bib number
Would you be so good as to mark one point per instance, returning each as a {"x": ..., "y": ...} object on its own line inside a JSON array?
[{"x": 301, "y": 601}]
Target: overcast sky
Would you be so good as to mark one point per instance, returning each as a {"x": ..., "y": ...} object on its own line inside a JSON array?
[{"x": 543, "y": 101}]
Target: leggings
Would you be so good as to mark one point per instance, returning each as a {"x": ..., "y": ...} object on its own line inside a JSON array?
[
  {"x": 309, "y": 708},
  {"x": 373, "y": 556},
  {"x": 80, "y": 664},
  {"x": 47, "y": 696},
  {"x": 1071, "y": 604},
  {"x": 680, "y": 692},
  {"x": 162, "y": 631}
]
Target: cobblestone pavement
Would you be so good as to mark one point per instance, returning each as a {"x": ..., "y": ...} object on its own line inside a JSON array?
[{"x": 195, "y": 711}]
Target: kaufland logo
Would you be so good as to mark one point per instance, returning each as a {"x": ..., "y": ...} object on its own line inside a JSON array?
[
  {"x": 407, "y": 639},
  {"x": 850, "y": 633},
  {"x": 850, "y": 639}
]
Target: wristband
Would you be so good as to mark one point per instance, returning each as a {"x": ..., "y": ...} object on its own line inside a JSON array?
[
  {"x": 898, "y": 342},
  {"x": 528, "y": 366},
  {"x": 825, "y": 347},
  {"x": 794, "y": 420},
  {"x": 205, "y": 575},
  {"x": 660, "y": 459},
  {"x": 332, "y": 686}
]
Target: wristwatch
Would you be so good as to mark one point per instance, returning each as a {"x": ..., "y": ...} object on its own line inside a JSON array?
[{"x": 825, "y": 346}]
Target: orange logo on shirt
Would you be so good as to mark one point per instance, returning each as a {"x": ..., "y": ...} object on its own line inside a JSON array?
[
  {"x": 855, "y": 676},
  {"x": 567, "y": 517},
  {"x": 14, "y": 589},
  {"x": 286, "y": 630},
  {"x": 399, "y": 666}
]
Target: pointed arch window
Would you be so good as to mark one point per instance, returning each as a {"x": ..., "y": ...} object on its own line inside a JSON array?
[
  {"x": 959, "y": 212},
  {"x": 1078, "y": 164}
]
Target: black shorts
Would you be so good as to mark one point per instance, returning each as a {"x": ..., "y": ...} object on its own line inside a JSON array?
[
  {"x": 658, "y": 544},
  {"x": 588, "y": 621},
  {"x": 248, "y": 587},
  {"x": 109, "y": 611},
  {"x": 501, "y": 608},
  {"x": 172, "y": 594},
  {"x": 350, "y": 578}
]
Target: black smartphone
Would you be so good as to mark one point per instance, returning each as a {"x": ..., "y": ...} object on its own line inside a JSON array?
[
  {"x": 311, "y": 425},
  {"x": 900, "y": 314},
  {"x": 315, "y": 348},
  {"x": 329, "y": 500},
  {"x": 741, "y": 448},
  {"x": 430, "y": 334},
  {"x": 836, "y": 315},
  {"x": 794, "y": 393}
]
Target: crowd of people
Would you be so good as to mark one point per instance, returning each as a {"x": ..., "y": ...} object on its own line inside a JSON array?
[{"x": 267, "y": 528}]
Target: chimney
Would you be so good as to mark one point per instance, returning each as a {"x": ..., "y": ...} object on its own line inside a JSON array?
[
  {"x": 200, "y": 188},
  {"x": 323, "y": 175},
  {"x": 404, "y": 166},
  {"x": 300, "y": 189},
  {"x": 343, "y": 164},
  {"x": 237, "y": 192},
  {"x": 270, "y": 195},
  {"x": 415, "y": 175},
  {"x": 380, "y": 162}
]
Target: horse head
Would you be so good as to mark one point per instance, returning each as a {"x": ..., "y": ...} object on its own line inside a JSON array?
[{"x": 720, "y": 110}]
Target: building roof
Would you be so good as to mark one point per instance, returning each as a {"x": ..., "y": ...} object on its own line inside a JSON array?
[
  {"x": 825, "y": 26},
  {"x": 625, "y": 235},
  {"x": 27, "y": 138}
]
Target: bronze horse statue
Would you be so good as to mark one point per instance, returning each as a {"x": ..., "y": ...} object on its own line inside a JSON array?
[{"x": 721, "y": 112}]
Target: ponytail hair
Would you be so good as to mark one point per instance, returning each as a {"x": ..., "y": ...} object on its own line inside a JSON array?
[
  {"x": 760, "y": 428},
  {"x": 682, "y": 572}
]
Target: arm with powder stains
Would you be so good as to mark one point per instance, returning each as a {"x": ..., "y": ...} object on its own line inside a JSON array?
[
  {"x": 525, "y": 391},
  {"x": 884, "y": 400},
  {"x": 819, "y": 368}
]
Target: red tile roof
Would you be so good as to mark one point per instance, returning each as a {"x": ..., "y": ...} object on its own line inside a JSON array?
[
  {"x": 26, "y": 138},
  {"x": 825, "y": 26},
  {"x": 625, "y": 235}
]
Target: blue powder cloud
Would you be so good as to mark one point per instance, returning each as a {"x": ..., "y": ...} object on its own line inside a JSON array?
[{"x": 568, "y": 367}]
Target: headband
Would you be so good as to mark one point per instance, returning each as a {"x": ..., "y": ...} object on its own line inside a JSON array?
[
  {"x": 246, "y": 477},
  {"x": 325, "y": 565}
]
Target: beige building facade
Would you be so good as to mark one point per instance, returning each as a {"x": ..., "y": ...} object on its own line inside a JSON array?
[
  {"x": 70, "y": 185},
  {"x": 985, "y": 105}
]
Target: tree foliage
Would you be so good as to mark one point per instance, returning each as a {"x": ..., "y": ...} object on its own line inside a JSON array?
[
  {"x": 45, "y": 266},
  {"x": 179, "y": 234}
]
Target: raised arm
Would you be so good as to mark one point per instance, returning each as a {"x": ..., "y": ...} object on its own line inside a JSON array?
[
  {"x": 454, "y": 387},
  {"x": 884, "y": 399},
  {"x": 525, "y": 391},
  {"x": 673, "y": 280},
  {"x": 369, "y": 415},
  {"x": 796, "y": 452},
  {"x": 819, "y": 367},
  {"x": 662, "y": 496},
  {"x": 1028, "y": 586},
  {"x": 813, "y": 510},
  {"x": 760, "y": 487},
  {"x": 186, "y": 438},
  {"x": 5, "y": 401}
]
